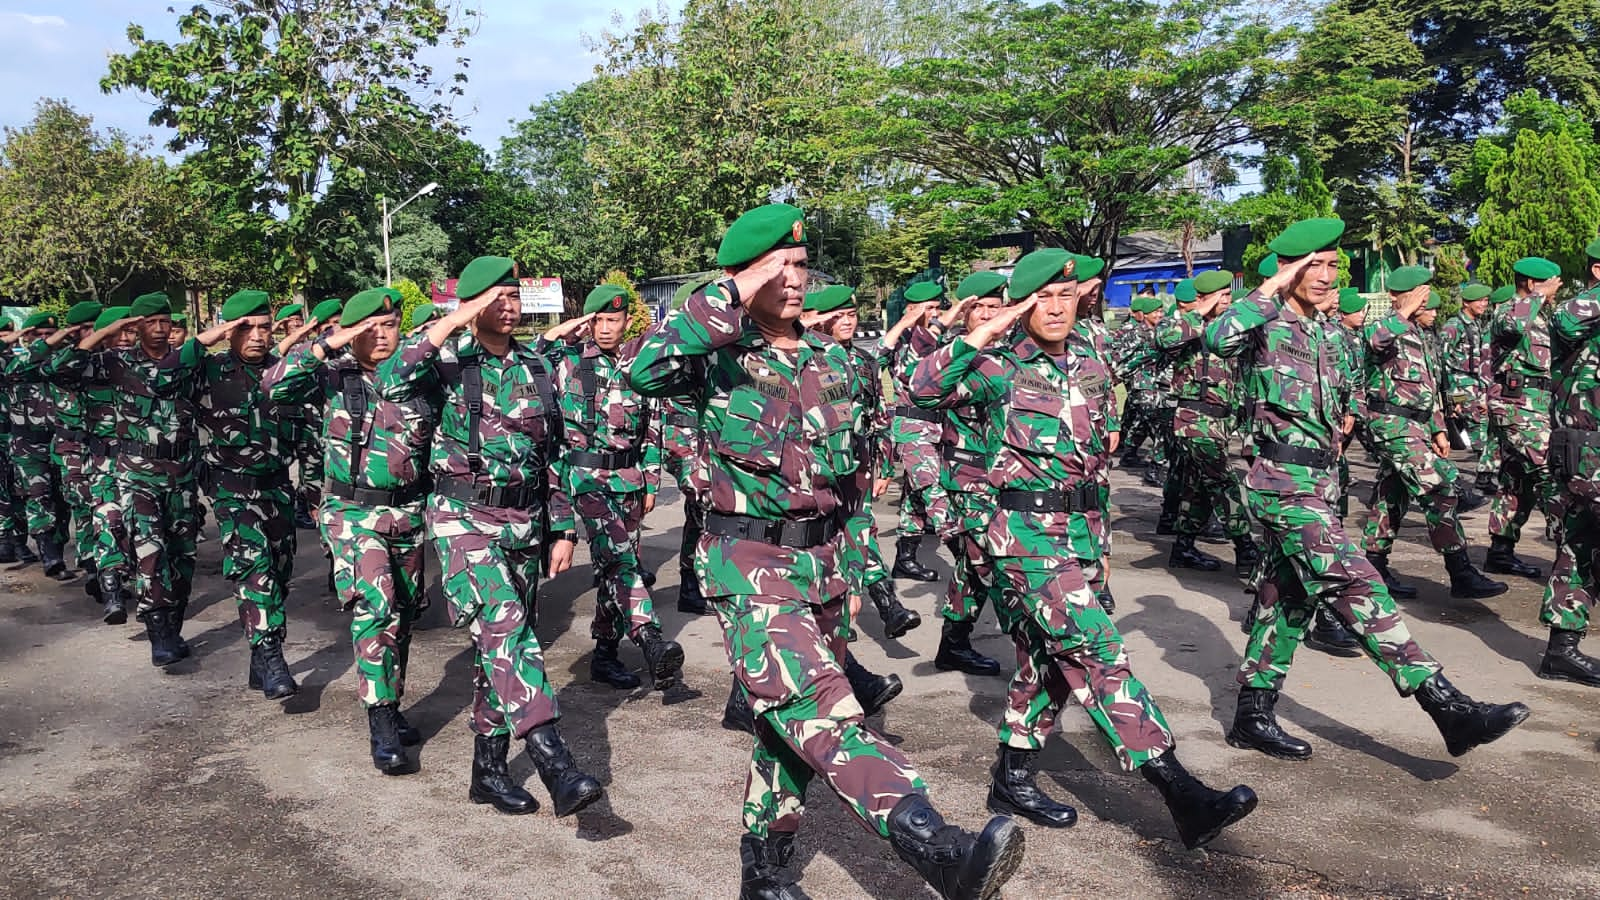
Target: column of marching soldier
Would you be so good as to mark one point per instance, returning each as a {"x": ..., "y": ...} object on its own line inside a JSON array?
[{"x": 1001, "y": 419}]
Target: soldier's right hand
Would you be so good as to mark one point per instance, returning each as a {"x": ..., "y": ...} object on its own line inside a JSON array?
[
  {"x": 1001, "y": 323},
  {"x": 957, "y": 312},
  {"x": 1288, "y": 271},
  {"x": 343, "y": 335}
]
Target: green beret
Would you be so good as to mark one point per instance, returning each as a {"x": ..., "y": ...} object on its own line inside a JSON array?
[
  {"x": 1090, "y": 267},
  {"x": 1239, "y": 293},
  {"x": 326, "y": 311},
  {"x": 1407, "y": 278},
  {"x": 1214, "y": 280},
  {"x": 1185, "y": 291},
  {"x": 1039, "y": 268},
  {"x": 1268, "y": 266},
  {"x": 154, "y": 304},
  {"x": 1434, "y": 300},
  {"x": 84, "y": 312},
  {"x": 832, "y": 297},
  {"x": 923, "y": 291},
  {"x": 981, "y": 284},
  {"x": 606, "y": 298},
  {"x": 1502, "y": 293},
  {"x": 1144, "y": 304},
  {"x": 7, "y": 324},
  {"x": 1474, "y": 291},
  {"x": 39, "y": 320},
  {"x": 180, "y": 319},
  {"x": 1536, "y": 267},
  {"x": 422, "y": 313},
  {"x": 1593, "y": 250},
  {"x": 1306, "y": 237},
  {"x": 760, "y": 230},
  {"x": 244, "y": 304},
  {"x": 1351, "y": 301},
  {"x": 688, "y": 288},
  {"x": 369, "y": 303},
  {"x": 483, "y": 273},
  {"x": 112, "y": 314},
  {"x": 293, "y": 309}
]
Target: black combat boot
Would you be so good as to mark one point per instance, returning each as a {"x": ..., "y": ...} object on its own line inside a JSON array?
[
  {"x": 409, "y": 735},
  {"x": 91, "y": 584},
  {"x": 491, "y": 777},
  {"x": 158, "y": 628},
  {"x": 570, "y": 790},
  {"x": 1154, "y": 476},
  {"x": 1131, "y": 460},
  {"x": 50, "y": 553},
  {"x": 25, "y": 554},
  {"x": 906, "y": 564},
  {"x": 606, "y": 668},
  {"x": 1214, "y": 532},
  {"x": 1469, "y": 500},
  {"x": 1255, "y": 727},
  {"x": 761, "y": 864},
  {"x": 957, "y": 864},
  {"x": 736, "y": 713},
  {"x": 662, "y": 657},
  {"x": 690, "y": 600},
  {"x": 873, "y": 692},
  {"x": 302, "y": 514},
  {"x": 113, "y": 595},
  {"x": 1106, "y": 601},
  {"x": 956, "y": 653},
  {"x": 1464, "y": 722},
  {"x": 1563, "y": 661},
  {"x": 1466, "y": 582},
  {"x": 1199, "y": 812},
  {"x": 268, "y": 664},
  {"x": 897, "y": 620},
  {"x": 1328, "y": 635},
  {"x": 8, "y": 548},
  {"x": 1185, "y": 555},
  {"x": 1013, "y": 791},
  {"x": 1167, "y": 522},
  {"x": 648, "y": 577},
  {"x": 1246, "y": 556},
  {"x": 388, "y": 756},
  {"x": 180, "y": 609},
  {"x": 1398, "y": 589},
  {"x": 1485, "y": 482},
  {"x": 1503, "y": 560}
]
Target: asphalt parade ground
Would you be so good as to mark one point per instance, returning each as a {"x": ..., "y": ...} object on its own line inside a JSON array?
[{"x": 120, "y": 780}]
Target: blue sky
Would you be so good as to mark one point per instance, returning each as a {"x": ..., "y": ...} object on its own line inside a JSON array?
[{"x": 523, "y": 50}]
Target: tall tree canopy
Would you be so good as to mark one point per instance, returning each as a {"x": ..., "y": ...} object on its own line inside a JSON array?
[{"x": 1542, "y": 202}]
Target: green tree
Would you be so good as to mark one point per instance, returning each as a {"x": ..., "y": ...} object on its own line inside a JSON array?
[
  {"x": 411, "y": 297},
  {"x": 1542, "y": 202},
  {"x": 279, "y": 100}
]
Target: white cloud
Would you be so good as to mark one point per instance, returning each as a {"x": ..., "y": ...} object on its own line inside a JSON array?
[{"x": 29, "y": 19}]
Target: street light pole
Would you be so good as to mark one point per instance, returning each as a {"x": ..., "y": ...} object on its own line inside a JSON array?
[{"x": 388, "y": 216}]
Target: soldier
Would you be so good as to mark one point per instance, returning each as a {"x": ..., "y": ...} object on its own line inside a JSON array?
[
  {"x": 421, "y": 315},
  {"x": 372, "y": 513},
  {"x": 610, "y": 466},
  {"x": 246, "y": 445},
  {"x": 308, "y": 448},
  {"x": 1292, "y": 375},
  {"x": 498, "y": 508},
  {"x": 33, "y": 424},
  {"x": 1091, "y": 342},
  {"x": 1408, "y": 432},
  {"x": 1137, "y": 357},
  {"x": 289, "y": 319},
  {"x": 13, "y": 513},
  {"x": 1029, "y": 384},
  {"x": 180, "y": 330},
  {"x": 1519, "y": 412},
  {"x": 1466, "y": 377},
  {"x": 1146, "y": 413},
  {"x": 914, "y": 433},
  {"x": 155, "y": 469},
  {"x": 784, "y": 486},
  {"x": 70, "y": 450},
  {"x": 836, "y": 306},
  {"x": 1207, "y": 394},
  {"x": 680, "y": 444}
]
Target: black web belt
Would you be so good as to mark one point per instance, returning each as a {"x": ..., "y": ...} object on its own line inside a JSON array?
[
  {"x": 917, "y": 412},
  {"x": 615, "y": 459},
  {"x": 965, "y": 457},
  {"x": 1296, "y": 456},
  {"x": 367, "y": 496},
  {"x": 1083, "y": 496},
  {"x": 796, "y": 534},
  {"x": 1215, "y": 410},
  {"x": 1385, "y": 408},
  {"x": 517, "y": 496}
]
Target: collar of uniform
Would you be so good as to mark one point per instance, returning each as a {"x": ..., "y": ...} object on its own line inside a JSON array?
[
  {"x": 467, "y": 345},
  {"x": 589, "y": 349}
]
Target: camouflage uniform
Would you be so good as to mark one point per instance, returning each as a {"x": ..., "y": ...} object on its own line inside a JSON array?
[
  {"x": 914, "y": 435},
  {"x": 1048, "y": 431},
  {"x": 1519, "y": 414},
  {"x": 494, "y": 488},
  {"x": 680, "y": 446},
  {"x": 1575, "y": 464},
  {"x": 1097, "y": 380},
  {"x": 372, "y": 514},
  {"x": 877, "y": 451},
  {"x": 783, "y": 499},
  {"x": 106, "y": 539},
  {"x": 1206, "y": 391},
  {"x": 13, "y": 513},
  {"x": 1350, "y": 347},
  {"x": 1148, "y": 411},
  {"x": 33, "y": 424}
]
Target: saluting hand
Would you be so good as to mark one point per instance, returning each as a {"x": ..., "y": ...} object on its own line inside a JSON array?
[
  {"x": 342, "y": 336},
  {"x": 1287, "y": 271},
  {"x": 957, "y": 311},
  {"x": 95, "y": 338},
  {"x": 75, "y": 333},
  {"x": 1001, "y": 323},
  {"x": 216, "y": 334},
  {"x": 753, "y": 278}
]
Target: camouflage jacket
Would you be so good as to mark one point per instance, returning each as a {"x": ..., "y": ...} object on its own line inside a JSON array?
[
  {"x": 1203, "y": 384},
  {"x": 1292, "y": 377},
  {"x": 380, "y": 443},
  {"x": 241, "y": 432},
  {"x": 1351, "y": 347},
  {"x": 97, "y": 401},
  {"x": 1401, "y": 371},
  {"x": 155, "y": 448},
  {"x": 1090, "y": 341},
  {"x": 1466, "y": 366},
  {"x": 901, "y": 360},
  {"x": 964, "y": 441},
  {"x": 1575, "y": 402},
  {"x": 1139, "y": 363},
  {"x": 876, "y": 453},
  {"x": 34, "y": 401},
  {"x": 602, "y": 413},
  {"x": 518, "y": 428},
  {"x": 1519, "y": 348}
]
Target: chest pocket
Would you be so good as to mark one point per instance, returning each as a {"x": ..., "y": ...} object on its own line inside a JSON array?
[
  {"x": 1291, "y": 379},
  {"x": 1033, "y": 419},
  {"x": 527, "y": 404},
  {"x": 836, "y": 452},
  {"x": 752, "y": 432}
]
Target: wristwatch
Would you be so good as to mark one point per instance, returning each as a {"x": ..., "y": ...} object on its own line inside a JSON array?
[
  {"x": 322, "y": 341},
  {"x": 730, "y": 289}
]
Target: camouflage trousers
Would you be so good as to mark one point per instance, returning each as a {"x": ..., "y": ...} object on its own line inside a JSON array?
[
  {"x": 1207, "y": 484},
  {"x": 1407, "y": 471},
  {"x": 490, "y": 577},
  {"x": 973, "y": 582},
  {"x": 622, "y": 602},
  {"x": 377, "y": 574},
  {"x": 162, "y": 526},
  {"x": 77, "y": 489},
  {"x": 1525, "y": 483},
  {"x": 112, "y": 547},
  {"x": 309, "y": 453},
  {"x": 1068, "y": 648},
  {"x": 13, "y": 514},
  {"x": 39, "y": 482},
  {"x": 1142, "y": 420},
  {"x": 1308, "y": 559},
  {"x": 924, "y": 506},
  {"x": 258, "y": 547},
  {"x": 785, "y": 655}
]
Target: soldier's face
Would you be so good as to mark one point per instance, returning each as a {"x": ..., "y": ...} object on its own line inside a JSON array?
[
  {"x": 1355, "y": 319},
  {"x": 293, "y": 323},
  {"x": 781, "y": 300},
  {"x": 377, "y": 343},
  {"x": 1476, "y": 308},
  {"x": 1088, "y": 295},
  {"x": 126, "y": 338},
  {"x": 154, "y": 332},
  {"x": 982, "y": 310},
  {"x": 250, "y": 337},
  {"x": 178, "y": 335},
  {"x": 1426, "y": 317},
  {"x": 501, "y": 317},
  {"x": 844, "y": 326},
  {"x": 1316, "y": 284},
  {"x": 1054, "y": 313},
  {"x": 607, "y": 329}
]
